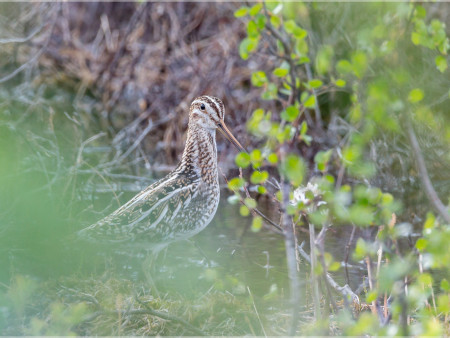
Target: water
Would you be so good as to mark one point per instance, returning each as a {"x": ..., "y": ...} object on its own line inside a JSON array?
[
  {"x": 49, "y": 191},
  {"x": 45, "y": 199}
]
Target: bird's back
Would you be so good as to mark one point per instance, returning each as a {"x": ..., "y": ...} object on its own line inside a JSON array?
[{"x": 175, "y": 207}]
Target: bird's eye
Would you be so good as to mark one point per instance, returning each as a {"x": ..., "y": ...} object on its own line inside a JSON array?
[{"x": 202, "y": 107}]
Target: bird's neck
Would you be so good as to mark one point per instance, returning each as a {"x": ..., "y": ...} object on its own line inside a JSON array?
[{"x": 200, "y": 153}]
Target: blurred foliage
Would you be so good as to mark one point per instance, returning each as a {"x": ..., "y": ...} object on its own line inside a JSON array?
[
  {"x": 72, "y": 306},
  {"x": 344, "y": 77},
  {"x": 337, "y": 82}
]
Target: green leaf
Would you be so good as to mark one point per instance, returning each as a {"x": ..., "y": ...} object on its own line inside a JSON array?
[
  {"x": 387, "y": 199},
  {"x": 259, "y": 78},
  {"x": 322, "y": 158},
  {"x": 371, "y": 296},
  {"x": 303, "y": 59},
  {"x": 272, "y": 158},
  {"x": 441, "y": 63},
  {"x": 310, "y": 102},
  {"x": 293, "y": 168},
  {"x": 239, "y": 13},
  {"x": 443, "y": 304},
  {"x": 257, "y": 224},
  {"x": 335, "y": 266},
  {"x": 250, "y": 203},
  {"x": 290, "y": 114},
  {"x": 289, "y": 26},
  {"x": 243, "y": 210},
  {"x": 243, "y": 49},
  {"x": 445, "y": 285},
  {"x": 303, "y": 128},
  {"x": 280, "y": 72},
  {"x": 256, "y": 158},
  {"x": 361, "y": 250},
  {"x": 307, "y": 139},
  {"x": 426, "y": 279},
  {"x": 301, "y": 47},
  {"x": 236, "y": 183},
  {"x": 247, "y": 46},
  {"x": 328, "y": 258},
  {"x": 315, "y": 83},
  {"x": 242, "y": 160},
  {"x": 261, "y": 190},
  {"x": 260, "y": 21},
  {"x": 252, "y": 29},
  {"x": 259, "y": 177},
  {"x": 318, "y": 217},
  {"x": 323, "y": 59},
  {"x": 271, "y": 92},
  {"x": 275, "y": 21},
  {"x": 420, "y": 12},
  {"x": 340, "y": 83},
  {"x": 300, "y": 33},
  {"x": 255, "y": 9},
  {"x": 291, "y": 209},
  {"x": 421, "y": 244},
  {"x": 344, "y": 67},
  {"x": 318, "y": 270},
  {"x": 415, "y": 38},
  {"x": 430, "y": 221},
  {"x": 415, "y": 95},
  {"x": 361, "y": 215}
]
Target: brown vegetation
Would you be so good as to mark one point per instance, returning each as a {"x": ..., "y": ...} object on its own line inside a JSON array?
[{"x": 147, "y": 62}]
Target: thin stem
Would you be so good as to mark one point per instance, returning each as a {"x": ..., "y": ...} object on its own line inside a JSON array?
[
  {"x": 347, "y": 253},
  {"x": 345, "y": 290},
  {"x": 289, "y": 240},
  {"x": 424, "y": 177},
  {"x": 314, "y": 281}
]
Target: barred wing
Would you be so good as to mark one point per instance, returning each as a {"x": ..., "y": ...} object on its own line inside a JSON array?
[{"x": 148, "y": 214}]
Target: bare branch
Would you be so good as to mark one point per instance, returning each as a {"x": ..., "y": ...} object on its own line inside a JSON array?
[
  {"x": 345, "y": 290},
  {"x": 424, "y": 177},
  {"x": 34, "y": 58}
]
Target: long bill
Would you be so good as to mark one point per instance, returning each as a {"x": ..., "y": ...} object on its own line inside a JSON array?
[{"x": 227, "y": 133}]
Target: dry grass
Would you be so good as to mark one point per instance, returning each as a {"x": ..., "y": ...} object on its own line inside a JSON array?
[
  {"x": 122, "y": 307},
  {"x": 147, "y": 62}
]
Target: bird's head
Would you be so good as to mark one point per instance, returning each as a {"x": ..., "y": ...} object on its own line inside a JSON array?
[{"x": 208, "y": 112}]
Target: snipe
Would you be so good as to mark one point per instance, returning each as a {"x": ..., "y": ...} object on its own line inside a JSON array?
[{"x": 184, "y": 202}]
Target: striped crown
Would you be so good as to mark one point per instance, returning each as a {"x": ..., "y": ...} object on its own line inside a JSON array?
[{"x": 207, "y": 111}]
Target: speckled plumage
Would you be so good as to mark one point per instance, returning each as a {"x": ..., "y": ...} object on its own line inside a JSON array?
[{"x": 184, "y": 202}]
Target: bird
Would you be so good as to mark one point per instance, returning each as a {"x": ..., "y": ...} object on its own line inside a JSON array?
[{"x": 184, "y": 202}]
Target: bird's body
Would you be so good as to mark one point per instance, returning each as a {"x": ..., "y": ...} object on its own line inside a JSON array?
[{"x": 184, "y": 202}]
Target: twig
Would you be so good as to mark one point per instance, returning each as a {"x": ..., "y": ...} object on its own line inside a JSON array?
[
  {"x": 289, "y": 240},
  {"x": 146, "y": 311},
  {"x": 257, "y": 314},
  {"x": 431, "y": 193},
  {"x": 320, "y": 245},
  {"x": 347, "y": 253},
  {"x": 345, "y": 290},
  {"x": 121, "y": 49},
  {"x": 314, "y": 281},
  {"x": 371, "y": 286},
  {"x": 22, "y": 40},
  {"x": 34, "y": 58},
  {"x": 255, "y": 210},
  {"x": 137, "y": 141},
  {"x": 166, "y": 316}
]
